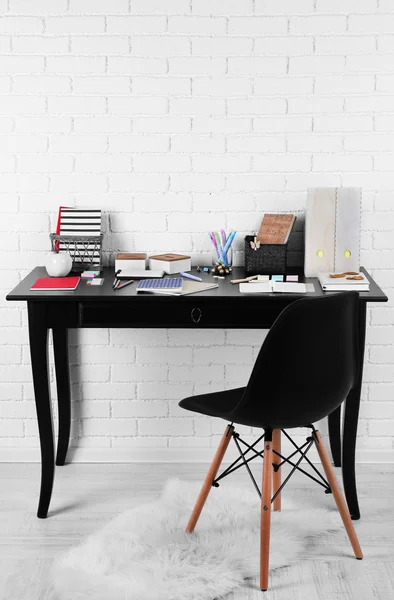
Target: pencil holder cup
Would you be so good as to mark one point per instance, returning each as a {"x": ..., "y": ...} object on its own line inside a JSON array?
[{"x": 229, "y": 257}]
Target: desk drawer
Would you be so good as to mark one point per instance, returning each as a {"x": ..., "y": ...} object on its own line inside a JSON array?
[{"x": 181, "y": 313}]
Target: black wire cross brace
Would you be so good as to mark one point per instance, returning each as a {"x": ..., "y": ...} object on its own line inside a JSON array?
[{"x": 241, "y": 461}]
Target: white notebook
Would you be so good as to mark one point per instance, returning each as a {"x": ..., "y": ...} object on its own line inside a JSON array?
[{"x": 267, "y": 287}]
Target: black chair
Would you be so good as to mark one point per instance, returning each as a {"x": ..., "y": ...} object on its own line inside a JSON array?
[{"x": 305, "y": 369}]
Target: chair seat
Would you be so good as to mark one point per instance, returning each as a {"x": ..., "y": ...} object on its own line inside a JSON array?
[{"x": 217, "y": 404}]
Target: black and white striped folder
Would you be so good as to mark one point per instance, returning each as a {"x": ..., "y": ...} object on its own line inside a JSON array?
[{"x": 80, "y": 222}]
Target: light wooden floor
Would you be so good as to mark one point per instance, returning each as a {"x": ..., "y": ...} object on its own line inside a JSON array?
[{"x": 86, "y": 496}]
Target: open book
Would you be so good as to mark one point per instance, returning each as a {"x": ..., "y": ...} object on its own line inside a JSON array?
[{"x": 273, "y": 286}]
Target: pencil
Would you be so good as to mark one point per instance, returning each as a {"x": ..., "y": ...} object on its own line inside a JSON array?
[{"x": 119, "y": 287}]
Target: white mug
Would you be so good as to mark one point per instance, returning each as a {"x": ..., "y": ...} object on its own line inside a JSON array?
[{"x": 58, "y": 264}]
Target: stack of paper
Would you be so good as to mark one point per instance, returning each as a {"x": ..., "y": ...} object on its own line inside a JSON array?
[{"x": 343, "y": 282}]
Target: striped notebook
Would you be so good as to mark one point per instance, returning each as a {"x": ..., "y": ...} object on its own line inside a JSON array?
[{"x": 80, "y": 222}]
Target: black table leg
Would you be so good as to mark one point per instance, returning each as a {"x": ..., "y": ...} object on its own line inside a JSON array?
[
  {"x": 60, "y": 349},
  {"x": 350, "y": 422},
  {"x": 38, "y": 333},
  {"x": 334, "y": 431}
]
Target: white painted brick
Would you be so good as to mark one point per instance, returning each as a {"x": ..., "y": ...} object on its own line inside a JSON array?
[
  {"x": 107, "y": 85},
  {"x": 282, "y": 86},
  {"x": 298, "y": 182},
  {"x": 36, "y": 44},
  {"x": 221, "y": 125},
  {"x": 381, "y": 392},
  {"x": 172, "y": 86},
  {"x": 10, "y": 355},
  {"x": 139, "y": 373},
  {"x": 316, "y": 24},
  {"x": 255, "y": 182},
  {"x": 141, "y": 222},
  {"x": 164, "y": 46},
  {"x": 342, "y": 162},
  {"x": 78, "y": 182},
  {"x": 6, "y": 124},
  {"x": 286, "y": 46},
  {"x": 232, "y": 355},
  {"x": 381, "y": 427},
  {"x": 77, "y": 143},
  {"x": 343, "y": 123},
  {"x": 12, "y": 428},
  {"x": 187, "y": 24},
  {"x": 196, "y": 373},
  {"x": 136, "y": 24},
  {"x": 221, "y": 164},
  {"x": 283, "y": 124},
  {"x": 5, "y": 44},
  {"x": 102, "y": 124},
  {"x": 197, "y": 66},
  {"x": 11, "y": 391},
  {"x": 178, "y": 222},
  {"x": 47, "y": 124},
  {"x": 172, "y": 356},
  {"x": 18, "y": 105},
  {"x": 386, "y": 43},
  {"x": 166, "y": 426},
  {"x": 385, "y": 83},
  {"x": 137, "y": 106},
  {"x": 138, "y": 143},
  {"x": 109, "y": 427},
  {"x": 345, "y": 6},
  {"x": 314, "y": 143},
  {"x": 76, "y": 105},
  {"x": 197, "y": 106},
  {"x": 137, "y": 182},
  {"x": 161, "y": 163},
  {"x": 371, "y": 23},
  {"x": 99, "y": 6},
  {"x": 316, "y": 64},
  {"x": 45, "y": 164},
  {"x": 381, "y": 354},
  {"x": 372, "y": 104},
  {"x": 256, "y": 106},
  {"x": 103, "y": 164},
  {"x": 159, "y": 243},
  {"x": 25, "y": 7},
  {"x": 164, "y": 391},
  {"x": 222, "y": 202},
  {"x": 257, "y": 66},
  {"x": 41, "y": 84},
  {"x": 167, "y": 124},
  {"x": 73, "y": 25},
  {"x": 7, "y": 164},
  {"x": 100, "y": 44},
  {"x": 24, "y": 183},
  {"x": 22, "y": 64},
  {"x": 222, "y": 86},
  {"x": 369, "y": 142},
  {"x": 169, "y": 202},
  {"x": 137, "y": 66},
  {"x": 149, "y": 408},
  {"x": 222, "y": 7},
  {"x": 344, "y": 84},
  {"x": 345, "y": 44},
  {"x": 368, "y": 63},
  {"x": 9, "y": 24},
  {"x": 197, "y": 143},
  {"x": 157, "y": 6},
  {"x": 383, "y": 162},
  {"x": 280, "y": 163},
  {"x": 75, "y": 64},
  {"x": 236, "y": 46},
  {"x": 257, "y": 26}
]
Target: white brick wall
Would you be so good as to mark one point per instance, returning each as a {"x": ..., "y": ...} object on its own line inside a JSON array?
[{"x": 177, "y": 117}]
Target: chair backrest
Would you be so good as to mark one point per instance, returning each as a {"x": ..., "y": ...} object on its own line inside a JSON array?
[{"x": 307, "y": 365}]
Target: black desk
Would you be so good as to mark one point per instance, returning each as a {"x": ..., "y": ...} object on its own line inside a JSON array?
[{"x": 223, "y": 307}]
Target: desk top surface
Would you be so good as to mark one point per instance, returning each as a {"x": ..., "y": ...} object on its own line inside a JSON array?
[{"x": 129, "y": 293}]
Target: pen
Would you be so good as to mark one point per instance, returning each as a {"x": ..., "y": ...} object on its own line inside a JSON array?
[
  {"x": 115, "y": 283},
  {"x": 188, "y": 276},
  {"x": 120, "y": 286}
]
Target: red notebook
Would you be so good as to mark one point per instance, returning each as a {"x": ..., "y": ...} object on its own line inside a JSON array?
[{"x": 49, "y": 284}]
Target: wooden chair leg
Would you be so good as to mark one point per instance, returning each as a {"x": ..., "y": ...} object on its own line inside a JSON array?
[
  {"x": 276, "y": 461},
  {"x": 336, "y": 492},
  {"x": 207, "y": 485},
  {"x": 265, "y": 524}
]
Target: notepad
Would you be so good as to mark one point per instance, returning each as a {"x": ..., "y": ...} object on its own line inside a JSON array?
[
  {"x": 53, "y": 284},
  {"x": 171, "y": 285},
  {"x": 273, "y": 286}
]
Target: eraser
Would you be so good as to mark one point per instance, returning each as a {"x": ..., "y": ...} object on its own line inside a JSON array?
[
  {"x": 291, "y": 277},
  {"x": 276, "y": 277}
]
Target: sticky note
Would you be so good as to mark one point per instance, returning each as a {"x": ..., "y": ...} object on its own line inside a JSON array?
[
  {"x": 276, "y": 277},
  {"x": 263, "y": 277},
  {"x": 291, "y": 277}
]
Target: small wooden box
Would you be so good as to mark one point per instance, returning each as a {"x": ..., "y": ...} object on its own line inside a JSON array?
[{"x": 130, "y": 261}]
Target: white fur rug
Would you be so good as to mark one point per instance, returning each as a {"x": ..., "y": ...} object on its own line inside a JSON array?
[{"x": 144, "y": 554}]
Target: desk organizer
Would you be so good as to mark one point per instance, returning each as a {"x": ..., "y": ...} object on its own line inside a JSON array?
[
  {"x": 85, "y": 251},
  {"x": 266, "y": 260}
]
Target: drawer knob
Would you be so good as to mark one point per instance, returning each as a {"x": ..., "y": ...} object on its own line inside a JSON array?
[{"x": 196, "y": 315}]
